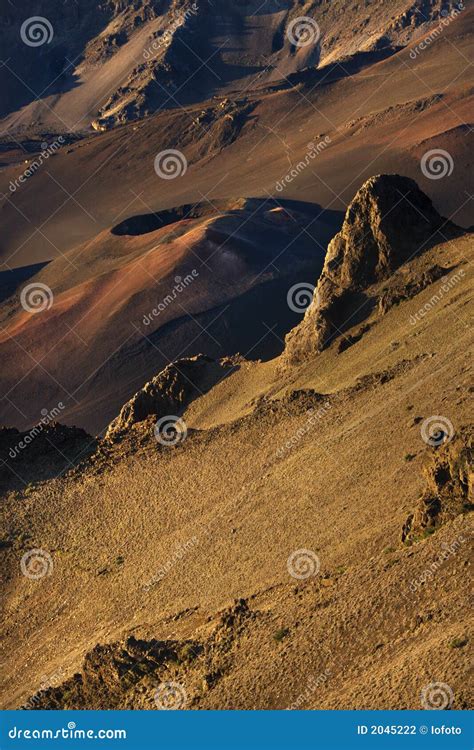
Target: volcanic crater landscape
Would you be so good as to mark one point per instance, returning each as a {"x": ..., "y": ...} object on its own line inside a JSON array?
[{"x": 236, "y": 346}]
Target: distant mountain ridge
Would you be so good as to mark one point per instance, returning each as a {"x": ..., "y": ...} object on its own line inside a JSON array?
[{"x": 99, "y": 65}]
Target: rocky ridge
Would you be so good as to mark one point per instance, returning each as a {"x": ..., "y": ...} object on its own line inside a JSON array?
[
  {"x": 170, "y": 391},
  {"x": 157, "y": 45},
  {"x": 389, "y": 221}
]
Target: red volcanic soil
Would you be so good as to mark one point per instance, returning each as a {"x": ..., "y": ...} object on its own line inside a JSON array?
[
  {"x": 314, "y": 141},
  {"x": 124, "y": 305}
]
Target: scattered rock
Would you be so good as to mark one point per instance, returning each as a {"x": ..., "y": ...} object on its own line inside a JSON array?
[
  {"x": 109, "y": 673},
  {"x": 125, "y": 674},
  {"x": 449, "y": 485}
]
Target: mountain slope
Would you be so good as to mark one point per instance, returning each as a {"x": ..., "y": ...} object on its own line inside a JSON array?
[
  {"x": 236, "y": 344},
  {"x": 108, "y": 64},
  {"x": 271, "y": 482},
  {"x": 382, "y": 118},
  {"x": 101, "y": 320},
  {"x": 314, "y": 140}
]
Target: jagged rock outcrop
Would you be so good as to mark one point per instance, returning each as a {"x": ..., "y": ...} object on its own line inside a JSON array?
[
  {"x": 170, "y": 391},
  {"x": 111, "y": 674},
  {"x": 131, "y": 673},
  {"x": 449, "y": 487},
  {"x": 388, "y": 222}
]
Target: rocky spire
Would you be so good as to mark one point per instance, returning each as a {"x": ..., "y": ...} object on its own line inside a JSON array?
[{"x": 389, "y": 221}]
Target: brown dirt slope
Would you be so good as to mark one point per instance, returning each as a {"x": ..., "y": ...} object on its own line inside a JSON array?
[{"x": 150, "y": 546}]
